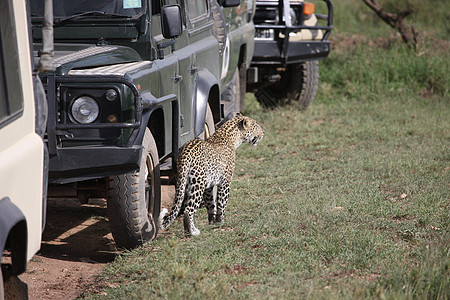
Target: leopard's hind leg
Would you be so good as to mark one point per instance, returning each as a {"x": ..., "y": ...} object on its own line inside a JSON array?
[
  {"x": 208, "y": 199},
  {"x": 223, "y": 193},
  {"x": 195, "y": 198}
]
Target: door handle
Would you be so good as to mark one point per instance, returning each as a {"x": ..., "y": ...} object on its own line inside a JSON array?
[
  {"x": 177, "y": 78},
  {"x": 193, "y": 70}
]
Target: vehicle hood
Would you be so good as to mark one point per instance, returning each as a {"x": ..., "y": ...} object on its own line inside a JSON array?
[{"x": 69, "y": 57}]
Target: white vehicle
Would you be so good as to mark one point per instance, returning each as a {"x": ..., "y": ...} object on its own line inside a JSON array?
[{"x": 23, "y": 181}]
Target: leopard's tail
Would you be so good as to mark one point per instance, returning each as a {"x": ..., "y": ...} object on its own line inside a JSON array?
[{"x": 182, "y": 180}]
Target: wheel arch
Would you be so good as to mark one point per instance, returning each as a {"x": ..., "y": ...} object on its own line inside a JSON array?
[
  {"x": 214, "y": 103},
  {"x": 206, "y": 92},
  {"x": 156, "y": 124},
  {"x": 154, "y": 120},
  {"x": 14, "y": 234}
]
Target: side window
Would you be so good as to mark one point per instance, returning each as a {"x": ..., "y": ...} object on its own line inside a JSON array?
[
  {"x": 197, "y": 9},
  {"x": 11, "y": 98}
]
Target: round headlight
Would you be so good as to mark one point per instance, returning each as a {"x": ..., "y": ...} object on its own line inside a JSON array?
[{"x": 85, "y": 110}]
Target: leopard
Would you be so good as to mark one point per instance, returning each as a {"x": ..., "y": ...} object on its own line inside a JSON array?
[{"x": 203, "y": 165}]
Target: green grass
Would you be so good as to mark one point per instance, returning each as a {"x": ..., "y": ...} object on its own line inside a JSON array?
[
  {"x": 346, "y": 200},
  {"x": 349, "y": 199}
]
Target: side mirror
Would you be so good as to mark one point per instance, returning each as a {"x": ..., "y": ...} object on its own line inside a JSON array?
[
  {"x": 171, "y": 22},
  {"x": 229, "y": 3}
]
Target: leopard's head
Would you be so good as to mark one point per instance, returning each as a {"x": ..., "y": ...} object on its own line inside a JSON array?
[{"x": 249, "y": 130}]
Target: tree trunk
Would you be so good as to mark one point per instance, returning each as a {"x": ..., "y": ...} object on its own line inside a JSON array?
[{"x": 396, "y": 21}]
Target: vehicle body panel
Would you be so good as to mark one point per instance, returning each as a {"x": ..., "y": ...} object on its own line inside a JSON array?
[
  {"x": 156, "y": 80},
  {"x": 21, "y": 148}
]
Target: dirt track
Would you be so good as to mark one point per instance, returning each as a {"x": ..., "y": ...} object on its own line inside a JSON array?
[{"x": 76, "y": 245}]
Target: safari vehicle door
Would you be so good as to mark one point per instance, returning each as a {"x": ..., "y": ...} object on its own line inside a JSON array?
[{"x": 23, "y": 116}]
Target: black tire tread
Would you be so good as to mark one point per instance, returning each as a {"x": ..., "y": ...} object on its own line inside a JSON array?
[
  {"x": 310, "y": 83},
  {"x": 127, "y": 212},
  {"x": 298, "y": 83},
  {"x": 243, "y": 84}
]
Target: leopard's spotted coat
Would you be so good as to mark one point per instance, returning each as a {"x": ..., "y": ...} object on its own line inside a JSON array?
[{"x": 204, "y": 164}]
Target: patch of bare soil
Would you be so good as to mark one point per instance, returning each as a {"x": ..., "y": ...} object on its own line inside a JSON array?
[{"x": 76, "y": 245}]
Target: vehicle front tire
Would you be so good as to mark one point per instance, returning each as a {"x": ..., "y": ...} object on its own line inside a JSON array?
[
  {"x": 2, "y": 289},
  {"x": 12, "y": 287},
  {"x": 298, "y": 83},
  {"x": 309, "y": 83},
  {"x": 134, "y": 199}
]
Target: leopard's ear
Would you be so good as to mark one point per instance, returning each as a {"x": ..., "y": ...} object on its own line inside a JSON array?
[{"x": 243, "y": 124}]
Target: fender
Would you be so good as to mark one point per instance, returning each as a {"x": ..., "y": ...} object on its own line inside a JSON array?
[
  {"x": 204, "y": 82},
  {"x": 13, "y": 222},
  {"x": 149, "y": 104}
]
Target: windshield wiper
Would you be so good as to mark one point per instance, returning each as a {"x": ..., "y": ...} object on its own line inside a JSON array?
[{"x": 88, "y": 14}]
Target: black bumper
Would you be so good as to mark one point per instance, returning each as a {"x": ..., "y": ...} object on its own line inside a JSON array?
[
  {"x": 84, "y": 163},
  {"x": 281, "y": 49},
  {"x": 270, "y": 52}
]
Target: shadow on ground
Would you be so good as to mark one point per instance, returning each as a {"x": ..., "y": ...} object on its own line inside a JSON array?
[
  {"x": 76, "y": 244},
  {"x": 77, "y": 232}
]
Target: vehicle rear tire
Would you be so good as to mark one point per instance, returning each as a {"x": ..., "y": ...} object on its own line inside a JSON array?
[
  {"x": 242, "y": 85},
  {"x": 298, "y": 83},
  {"x": 210, "y": 128},
  {"x": 134, "y": 199},
  {"x": 232, "y": 92},
  {"x": 209, "y": 125}
]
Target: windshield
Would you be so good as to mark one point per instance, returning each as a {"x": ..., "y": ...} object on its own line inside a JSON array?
[{"x": 68, "y": 8}]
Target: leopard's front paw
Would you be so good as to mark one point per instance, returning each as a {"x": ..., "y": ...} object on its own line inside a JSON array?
[{"x": 195, "y": 232}]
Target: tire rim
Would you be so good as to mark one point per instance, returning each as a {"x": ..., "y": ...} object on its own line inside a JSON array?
[
  {"x": 207, "y": 132},
  {"x": 149, "y": 181}
]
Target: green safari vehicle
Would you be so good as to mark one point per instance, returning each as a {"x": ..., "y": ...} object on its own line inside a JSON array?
[{"x": 133, "y": 81}]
